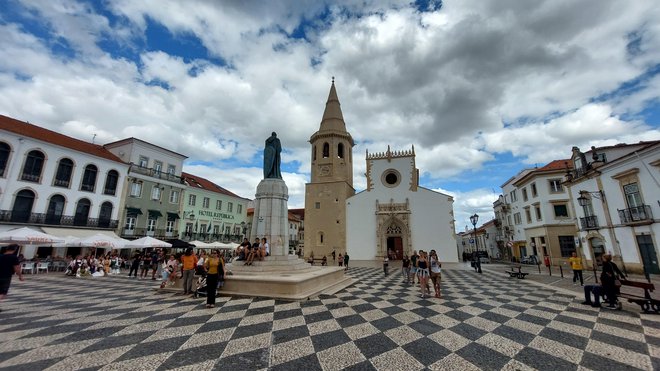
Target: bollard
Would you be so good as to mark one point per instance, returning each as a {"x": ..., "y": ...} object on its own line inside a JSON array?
[{"x": 561, "y": 272}]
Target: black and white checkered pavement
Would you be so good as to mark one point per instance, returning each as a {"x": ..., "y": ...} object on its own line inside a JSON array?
[{"x": 52, "y": 322}]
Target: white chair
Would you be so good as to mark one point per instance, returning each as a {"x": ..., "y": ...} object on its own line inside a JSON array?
[
  {"x": 27, "y": 267},
  {"x": 42, "y": 267}
]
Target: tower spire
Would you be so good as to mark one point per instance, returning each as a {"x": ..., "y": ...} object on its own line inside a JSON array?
[{"x": 333, "y": 119}]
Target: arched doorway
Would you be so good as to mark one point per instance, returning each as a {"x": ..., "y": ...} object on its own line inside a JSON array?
[
  {"x": 105, "y": 214},
  {"x": 598, "y": 249},
  {"x": 22, "y": 209},
  {"x": 55, "y": 210},
  {"x": 82, "y": 212},
  {"x": 394, "y": 237}
]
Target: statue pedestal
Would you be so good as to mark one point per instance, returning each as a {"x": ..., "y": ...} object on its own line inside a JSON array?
[{"x": 271, "y": 215}]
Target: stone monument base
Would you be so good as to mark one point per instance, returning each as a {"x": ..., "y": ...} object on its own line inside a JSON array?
[{"x": 283, "y": 277}]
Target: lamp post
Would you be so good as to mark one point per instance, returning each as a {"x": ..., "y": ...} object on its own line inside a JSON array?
[{"x": 474, "y": 219}]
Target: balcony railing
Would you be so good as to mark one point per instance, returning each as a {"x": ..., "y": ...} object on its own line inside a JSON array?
[
  {"x": 636, "y": 214},
  {"x": 56, "y": 220},
  {"x": 155, "y": 233},
  {"x": 30, "y": 177},
  {"x": 87, "y": 187},
  {"x": 589, "y": 222},
  {"x": 110, "y": 191},
  {"x": 61, "y": 183},
  {"x": 207, "y": 237},
  {"x": 156, "y": 173}
]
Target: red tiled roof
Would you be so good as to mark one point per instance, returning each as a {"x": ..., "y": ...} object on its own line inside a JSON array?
[
  {"x": 205, "y": 184},
  {"x": 299, "y": 212},
  {"x": 36, "y": 132},
  {"x": 558, "y": 165}
]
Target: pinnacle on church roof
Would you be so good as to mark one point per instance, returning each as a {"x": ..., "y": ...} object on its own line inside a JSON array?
[{"x": 333, "y": 119}]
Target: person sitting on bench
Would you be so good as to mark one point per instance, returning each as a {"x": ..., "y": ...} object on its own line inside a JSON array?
[{"x": 608, "y": 286}]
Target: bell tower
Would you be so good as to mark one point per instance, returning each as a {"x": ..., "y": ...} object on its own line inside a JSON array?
[{"x": 331, "y": 182}]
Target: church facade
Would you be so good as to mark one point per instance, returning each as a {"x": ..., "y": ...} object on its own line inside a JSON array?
[{"x": 395, "y": 216}]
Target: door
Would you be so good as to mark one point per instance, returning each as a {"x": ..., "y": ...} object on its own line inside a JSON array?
[
  {"x": 647, "y": 251},
  {"x": 598, "y": 249},
  {"x": 395, "y": 248}
]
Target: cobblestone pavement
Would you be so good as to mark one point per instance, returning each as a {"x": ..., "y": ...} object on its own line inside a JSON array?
[{"x": 488, "y": 321}]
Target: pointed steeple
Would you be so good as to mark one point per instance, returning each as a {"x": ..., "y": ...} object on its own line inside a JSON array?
[{"x": 333, "y": 120}]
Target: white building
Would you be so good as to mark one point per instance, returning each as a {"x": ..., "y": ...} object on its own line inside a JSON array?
[
  {"x": 60, "y": 184},
  {"x": 615, "y": 192},
  {"x": 394, "y": 214}
]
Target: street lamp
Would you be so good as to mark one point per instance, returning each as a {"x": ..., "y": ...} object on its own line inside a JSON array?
[{"x": 474, "y": 219}]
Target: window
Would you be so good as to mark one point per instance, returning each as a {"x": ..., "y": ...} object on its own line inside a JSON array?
[
  {"x": 136, "y": 189},
  {"x": 218, "y": 205},
  {"x": 340, "y": 150},
  {"x": 63, "y": 174},
  {"x": 155, "y": 193},
  {"x": 239, "y": 209},
  {"x": 4, "y": 157},
  {"x": 55, "y": 210},
  {"x": 174, "y": 197},
  {"x": 130, "y": 223},
  {"x": 206, "y": 202},
  {"x": 82, "y": 212},
  {"x": 538, "y": 212},
  {"x": 169, "y": 227},
  {"x": 317, "y": 205},
  {"x": 22, "y": 206},
  {"x": 192, "y": 199},
  {"x": 144, "y": 162},
  {"x": 105, "y": 214},
  {"x": 320, "y": 238},
  {"x": 189, "y": 229},
  {"x": 111, "y": 180},
  {"x": 158, "y": 167},
  {"x": 171, "y": 169},
  {"x": 33, "y": 165},
  {"x": 566, "y": 245},
  {"x": 528, "y": 215},
  {"x": 561, "y": 211},
  {"x": 514, "y": 196},
  {"x": 517, "y": 219},
  {"x": 633, "y": 198},
  {"x": 555, "y": 186},
  {"x": 326, "y": 150},
  {"x": 230, "y": 207},
  {"x": 534, "y": 192},
  {"x": 524, "y": 193},
  {"x": 89, "y": 178},
  {"x": 151, "y": 225}
]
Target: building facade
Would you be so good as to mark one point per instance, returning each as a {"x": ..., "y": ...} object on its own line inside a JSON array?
[
  {"x": 331, "y": 182},
  {"x": 395, "y": 216},
  {"x": 615, "y": 192}
]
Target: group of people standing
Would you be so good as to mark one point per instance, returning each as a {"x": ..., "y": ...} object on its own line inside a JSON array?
[{"x": 422, "y": 267}]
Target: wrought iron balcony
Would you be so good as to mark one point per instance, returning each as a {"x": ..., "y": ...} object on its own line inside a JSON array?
[
  {"x": 30, "y": 177},
  {"x": 589, "y": 222},
  {"x": 637, "y": 214},
  {"x": 56, "y": 220},
  {"x": 61, "y": 183},
  {"x": 155, "y": 233},
  {"x": 159, "y": 174}
]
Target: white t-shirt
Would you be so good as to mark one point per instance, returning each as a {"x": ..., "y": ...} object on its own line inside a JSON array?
[{"x": 435, "y": 266}]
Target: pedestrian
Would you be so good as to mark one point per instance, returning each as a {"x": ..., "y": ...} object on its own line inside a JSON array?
[
  {"x": 423, "y": 273},
  {"x": 135, "y": 264},
  {"x": 169, "y": 271},
  {"x": 188, "y": 264},
  {"x": 201, "y": 261},
  {"x": 334, "y": 255},
  {"x": 154, "y": 263},
  {"x": 212, "y": 266},
  {"x": 346, "y": 261},
  {"x": 435, "y": 272},
  {"x": 413, "y": 266},
  {"x": 341, "y": 260},
  {"x": 386, "y": 264},
  {"x": 576, "y": 265},
  {"x": 324, "y": 262},
  {"x": 9, "y": 265},
  {"x": 608, "y": 278},
  {"x": 405, "y": 268},
  {"x": 145, "y": 263}
]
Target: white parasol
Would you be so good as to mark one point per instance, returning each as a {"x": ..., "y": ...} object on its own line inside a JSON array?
[
  {"x": 28, "y": 236},
  {"x": 145, "y": 242},
  {"x": 102, "y": 240},
  {"x": 200, "y": 244}
]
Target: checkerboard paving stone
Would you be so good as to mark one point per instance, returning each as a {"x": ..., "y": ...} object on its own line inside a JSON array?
[{"x": 482, "y": 322}]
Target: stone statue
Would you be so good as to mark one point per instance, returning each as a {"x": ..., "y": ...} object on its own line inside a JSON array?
[{"x": 272, "y": 157}]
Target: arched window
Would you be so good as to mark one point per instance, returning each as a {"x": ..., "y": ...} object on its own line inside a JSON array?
[
  {"x": 64, "y": 171},
  {"x": 105, "y": 214},
  {"x": 33, "y": 165},
  {"x": 340, "y": 150},
  {"x": 326, "y": 150},
  {"x": 4, "y": 157},
  {"x": 89, "y": 178},
  {"x": 82, "y": 212},
  {"x": 22, "y": 206},
  {"x": 314, "y": 154},
  {"x": 55, "y": 210},
  {"x": 111, "y": 179}
]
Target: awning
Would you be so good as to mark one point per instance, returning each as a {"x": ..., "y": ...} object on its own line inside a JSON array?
[
  {"x": 77, "y": 232},
  {"x": 133, "y": 211},
  {"x": 172, "y": 216},
  {"x": 154, "y": 214}
]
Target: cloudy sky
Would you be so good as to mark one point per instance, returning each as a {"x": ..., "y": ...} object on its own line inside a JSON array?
[{"x": 481, "y": 88}]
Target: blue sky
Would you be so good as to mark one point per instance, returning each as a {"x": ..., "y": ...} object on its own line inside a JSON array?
[{"x": 482, "y": 89}]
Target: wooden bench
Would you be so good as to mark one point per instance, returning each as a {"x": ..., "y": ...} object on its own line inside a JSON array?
[
  {"x": 519, "y": 273},
  {"x": 315, "y": 260},
  {"x": 646, "y": 302}
]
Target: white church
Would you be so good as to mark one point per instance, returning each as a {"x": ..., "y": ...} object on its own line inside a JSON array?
[{"x": 395, "y": 216}]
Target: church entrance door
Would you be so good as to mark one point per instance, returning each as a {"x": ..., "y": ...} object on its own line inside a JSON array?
[{"x": 395, "y": 248}]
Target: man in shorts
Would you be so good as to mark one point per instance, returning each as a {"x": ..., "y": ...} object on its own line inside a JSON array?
[{"x": 9, "y": 265}]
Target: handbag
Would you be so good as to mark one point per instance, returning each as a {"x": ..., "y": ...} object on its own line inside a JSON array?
[{"x": 617, "y": 283}]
